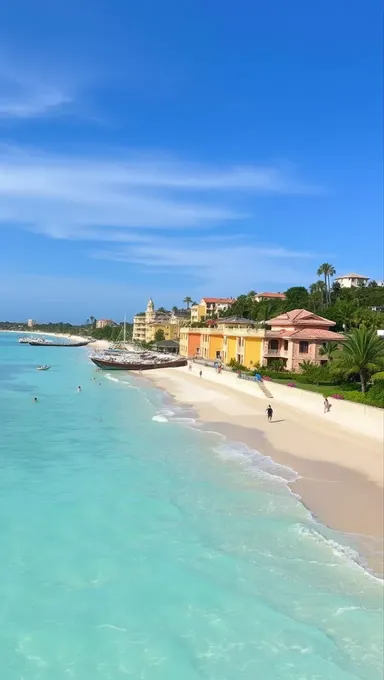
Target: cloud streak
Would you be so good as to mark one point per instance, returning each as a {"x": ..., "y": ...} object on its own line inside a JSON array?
[
  {"x": 66, "y": 196},
  {"x": 23, "y": 96}
]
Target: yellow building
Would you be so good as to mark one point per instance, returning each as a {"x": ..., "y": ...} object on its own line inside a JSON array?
[
  {"x": 171, "y": 331},
  {"x": 147, "y": 323},
  {"x": 232, "y": 339},
  {"x": 209, "y": 308}
]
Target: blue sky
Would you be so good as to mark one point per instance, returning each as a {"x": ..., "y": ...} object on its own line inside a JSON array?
[{"x": 184, "y": 148}]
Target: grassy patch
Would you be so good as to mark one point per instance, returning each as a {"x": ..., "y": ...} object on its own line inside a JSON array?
[{"x": 350, "y": 391}]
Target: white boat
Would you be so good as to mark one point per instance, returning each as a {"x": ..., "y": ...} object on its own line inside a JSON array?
[
  {"x": 42, "y": 368},
  {"x": 25, "y": 340}
]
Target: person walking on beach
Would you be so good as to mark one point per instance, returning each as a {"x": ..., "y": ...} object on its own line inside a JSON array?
[
  {"x": 327, "y": 405},
  {"x": 201, "y": 374},
  {"x": 269, "y": 412}
]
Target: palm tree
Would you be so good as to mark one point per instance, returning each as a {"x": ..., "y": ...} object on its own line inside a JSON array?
[
  {"x": 327, "y": 270},
  {"x": 329, "y": 349},
  {"x": 306, "y": 365},
  {"x": 187, "y": 301},
  {"x": 318, "y": 293},
  {"x": 363, "y": 353}
]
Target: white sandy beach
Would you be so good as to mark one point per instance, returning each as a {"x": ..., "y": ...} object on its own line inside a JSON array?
[
  {"x": 96, "y": 344},
  {"x": 341, "y": 472}
]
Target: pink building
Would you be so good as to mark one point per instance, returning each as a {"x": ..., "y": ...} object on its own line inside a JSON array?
[{"x": 297, "y": 336}]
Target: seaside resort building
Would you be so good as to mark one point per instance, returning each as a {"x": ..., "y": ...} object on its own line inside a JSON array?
[
  {"x": 147, "y": 323},
  {"x": 209, "y": 308},
  {"x": 292, "y": 337}
]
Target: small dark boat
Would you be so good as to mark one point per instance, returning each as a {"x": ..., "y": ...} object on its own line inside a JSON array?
[
  {"x": 39, "y": 343},
  {"x": 109, "y": 364}
]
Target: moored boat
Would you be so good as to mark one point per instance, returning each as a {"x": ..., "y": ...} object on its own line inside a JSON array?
[
  {"x": 44, "y": 343},
  {"x": 135, "y": 361},
  {"x": 42, "y": 368}
]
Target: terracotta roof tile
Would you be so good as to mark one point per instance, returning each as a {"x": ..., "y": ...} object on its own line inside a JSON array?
[
  {"x": 313, "y": 334},
  {"x": 280, "y": 296},
  {"x": 219, "y": 300},
  {"x": 300, "y": 317}
]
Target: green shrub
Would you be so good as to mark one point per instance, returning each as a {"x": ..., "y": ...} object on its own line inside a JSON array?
[
  {"x": 378, "y": 376},
  {"x": 376, "y": 394},
  {"x": 237, "y": 366}
]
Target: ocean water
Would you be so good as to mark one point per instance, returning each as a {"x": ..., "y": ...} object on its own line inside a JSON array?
[{"x": 134, "y": 546}]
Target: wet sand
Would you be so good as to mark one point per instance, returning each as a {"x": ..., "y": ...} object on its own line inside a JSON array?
[{"x": 341, "y": 474}]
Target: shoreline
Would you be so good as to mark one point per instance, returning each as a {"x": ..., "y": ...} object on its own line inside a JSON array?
[
  {"x": 95, "y": 344},
  {"x": 340, "y": 475}
]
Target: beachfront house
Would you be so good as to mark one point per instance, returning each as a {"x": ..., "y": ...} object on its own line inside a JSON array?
[
  {"x": 227, "y": 339},
  {"x": 352, "y": 280},
  {"x": 290, "y": 339},
  {"x": 209, "y": 308},
  {"x": 146, "y": 324},
  {"x": 260, "y": 297},
  {"x": 297, "y": 336}
]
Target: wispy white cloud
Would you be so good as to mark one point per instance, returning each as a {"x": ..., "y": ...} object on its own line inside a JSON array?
[
  {"x": 223, "y": 267},
  {"x": 91, "y": 196},
  {"x": 25, "y": 96}
]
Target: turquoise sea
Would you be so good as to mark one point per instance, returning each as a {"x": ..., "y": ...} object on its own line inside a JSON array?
[{"x": 134, "y": 546}]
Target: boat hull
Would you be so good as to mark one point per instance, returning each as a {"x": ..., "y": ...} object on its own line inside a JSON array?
[
  {"x": 106, "y": 365},
  {"x": 58, "y": 344}
]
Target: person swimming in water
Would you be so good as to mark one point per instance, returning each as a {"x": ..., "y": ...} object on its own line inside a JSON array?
[
  {"x": 79, "y": 389},
  {"x": 34, "y": 398}
]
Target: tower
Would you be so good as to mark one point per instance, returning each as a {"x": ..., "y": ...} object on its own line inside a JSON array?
[{"x": 150, "y": 311}]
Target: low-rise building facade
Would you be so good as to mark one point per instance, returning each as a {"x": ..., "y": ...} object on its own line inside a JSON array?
[
  {"x": 147, "y": 323},
  {"x": 289, "y": 338},
  {"x": 298, "y": 336},
  {"x": 103, "y": 323},
  {"x": 209, "y": 308},
  {"x": 227, "y": 340},
  {"x": 352, "y": 280},
  {"x": 259, "y": 297}
]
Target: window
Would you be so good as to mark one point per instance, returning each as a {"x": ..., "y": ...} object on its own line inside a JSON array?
[
  {"x": 273, "y": 345},
  {"x": 303, "y": 347},
  {"x": 286, "y": 345}
]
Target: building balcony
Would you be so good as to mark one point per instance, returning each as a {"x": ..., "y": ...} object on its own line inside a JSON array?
[{"x": 268, "y": 352}]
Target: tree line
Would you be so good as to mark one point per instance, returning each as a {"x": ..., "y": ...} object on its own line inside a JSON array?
[{"x": 347, "y": 307}]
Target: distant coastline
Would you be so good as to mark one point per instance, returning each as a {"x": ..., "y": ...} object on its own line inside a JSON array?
[{"x": 96, "y": 344}]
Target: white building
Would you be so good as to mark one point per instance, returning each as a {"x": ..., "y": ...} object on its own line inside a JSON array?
[
  {"x": 352, "y": 280},
  {"x": 31, "y": 323}
]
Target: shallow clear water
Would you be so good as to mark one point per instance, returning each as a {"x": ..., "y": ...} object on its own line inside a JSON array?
[{"x": 132, "y": 546}]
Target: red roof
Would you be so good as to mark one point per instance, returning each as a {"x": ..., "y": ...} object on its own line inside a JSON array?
[
  {"x": 219, "y": 300},
  {"x": 307, "y": 334},
  {"x": 314, "y": 334},
  {"x": 300, "y": 317},
  {"x": 280, "y": 296}
]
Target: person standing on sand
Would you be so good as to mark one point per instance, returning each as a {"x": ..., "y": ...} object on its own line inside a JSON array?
[
  {"x": 201, "y": 374},
  {"x": 269, "y": 412},
  {"x": 327, "y": 405}
]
